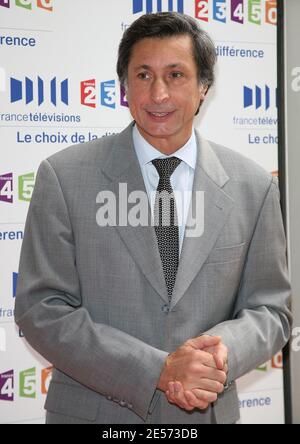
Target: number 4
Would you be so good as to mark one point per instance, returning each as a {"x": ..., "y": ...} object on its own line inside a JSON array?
[
  {"x": 7, "y": 390},
  {"x": 6, "y": 192},
  {"x": 237, "y": 11}
]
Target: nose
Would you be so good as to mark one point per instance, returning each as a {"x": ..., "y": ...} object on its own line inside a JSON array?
[{"x": 159, "y": 91}]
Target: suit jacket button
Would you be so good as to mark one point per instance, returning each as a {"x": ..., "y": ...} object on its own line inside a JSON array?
[
  {"x": 130, "y": 406},
  {"x": 165, "y": 308},
  {"x": 123, "y": 403},
  {"x": 109, "y": 398}
]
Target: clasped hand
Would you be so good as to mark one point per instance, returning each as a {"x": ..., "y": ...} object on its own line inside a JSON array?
[{"x": 195, "y": 374}]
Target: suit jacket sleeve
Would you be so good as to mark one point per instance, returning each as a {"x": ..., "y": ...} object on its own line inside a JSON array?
[
  {"x": 261, "y": 323},
  {"x": 49, "y": 311}
]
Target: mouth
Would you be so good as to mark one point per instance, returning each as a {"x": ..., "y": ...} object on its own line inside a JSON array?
[{"x": 160, "y": 116}]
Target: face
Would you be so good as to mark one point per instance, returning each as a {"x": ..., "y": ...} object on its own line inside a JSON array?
[{"x": 163, "y": 90}]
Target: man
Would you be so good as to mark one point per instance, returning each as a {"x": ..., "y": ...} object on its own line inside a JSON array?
[{"x": 153, "y": 322}]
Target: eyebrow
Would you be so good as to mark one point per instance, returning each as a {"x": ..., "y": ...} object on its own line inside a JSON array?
[{"x": 148, "y": 67}]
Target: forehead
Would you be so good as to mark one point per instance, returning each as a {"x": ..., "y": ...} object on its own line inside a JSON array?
[{"x": 162, "y": 51}]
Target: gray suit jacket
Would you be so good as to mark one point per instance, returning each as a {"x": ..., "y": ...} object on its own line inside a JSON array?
[{"x": 93, "y": 301}]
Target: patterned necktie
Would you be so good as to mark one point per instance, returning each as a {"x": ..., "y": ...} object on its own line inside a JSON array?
[{"x": 166, "y": 221}]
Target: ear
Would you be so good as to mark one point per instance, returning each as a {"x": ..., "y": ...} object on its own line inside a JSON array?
[
  {"x": 203, "y": 90},
  {"x": 126, "y": 91}
]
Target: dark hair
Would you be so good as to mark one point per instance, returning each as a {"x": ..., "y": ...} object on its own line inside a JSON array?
[{"x": 169, "y": 24}]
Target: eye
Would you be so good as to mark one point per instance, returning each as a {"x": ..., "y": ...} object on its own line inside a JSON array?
[
  {"x": 144, "y": 75},
  {"x": 177, "y": 75}
]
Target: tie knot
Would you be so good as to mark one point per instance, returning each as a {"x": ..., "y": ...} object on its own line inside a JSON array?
[{"x": 166, "y": 167}]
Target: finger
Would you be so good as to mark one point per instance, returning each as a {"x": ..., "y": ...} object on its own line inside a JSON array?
[
  {"x": 180, "y": 398},
  {"x": 214, "y": 374},
  {"x": 194, "y": 400},
  {"x": 167, "y": 393},
  {"x": 218, "y": 360},
  {"x": 169, "y": 398},
  {"x": 210, "y": 386},
  {"x": 207, "y": 359},
  {"x": 204, "y": 395},
  {"x": 221, "y": 356},
  {"x": 170, "y": 393},
  {"x": 204, "y": 341},
  {"x": 171, "y": 388}
]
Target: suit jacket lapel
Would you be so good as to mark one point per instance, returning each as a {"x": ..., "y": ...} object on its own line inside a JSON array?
[
  {"x": 123, "y": 167},
  {"x": 209, "y": 179}
]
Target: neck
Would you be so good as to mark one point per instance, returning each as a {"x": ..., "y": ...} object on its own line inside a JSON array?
[{"x": 167, "y": 145}]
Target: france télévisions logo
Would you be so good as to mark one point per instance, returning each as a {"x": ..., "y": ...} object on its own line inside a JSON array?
[
  {"x": 6, "y": 188},
  {"x": 30, "y": 90},
  {"x": 255, "y": 12},
  {"x": 276, "y": 363},
  {"x": 26, "y": 184},
  {"x": 107, "y": 93},
  {"x": 28, "y": 382},
  {"x": 103, "y": 94},
  {"x": 149, "y": 6},
  {"x": 260, "y": 97},
  {"x": 7, "y": 386},
  {"x": 46, "y": 5}
]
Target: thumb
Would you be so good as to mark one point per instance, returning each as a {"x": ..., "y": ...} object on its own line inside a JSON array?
[
  {"x": 204, "y": 341},
  {"x": 219, "y": 361}
]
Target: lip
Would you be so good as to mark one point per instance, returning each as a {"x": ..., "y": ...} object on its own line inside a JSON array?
[{"x": 160, "y": 118}]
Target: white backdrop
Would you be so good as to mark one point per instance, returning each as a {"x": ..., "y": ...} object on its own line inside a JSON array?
[{"x": 58, "y": 86}]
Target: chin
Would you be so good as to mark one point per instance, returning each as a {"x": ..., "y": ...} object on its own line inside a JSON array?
[
  {"x": 159, "y": 130},
  {"x": 160, "y": 134}
]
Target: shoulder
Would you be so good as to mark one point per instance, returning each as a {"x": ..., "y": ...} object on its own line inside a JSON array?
[
  {"x": 242, "y": 171},
  {"x": 86, "y": 155}
]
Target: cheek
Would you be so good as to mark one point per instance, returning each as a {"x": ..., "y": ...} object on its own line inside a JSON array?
[
  {"x": 187, "y": 96},
  {"x": 136, "y": 98},
  {"x": 192, "y": 102}
]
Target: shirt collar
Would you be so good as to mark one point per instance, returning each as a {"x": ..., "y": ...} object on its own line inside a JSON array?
[{"x": 146, "y": 152}]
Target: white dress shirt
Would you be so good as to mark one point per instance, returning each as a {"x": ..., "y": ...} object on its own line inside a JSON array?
[{"x": 181, "y": 180}]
